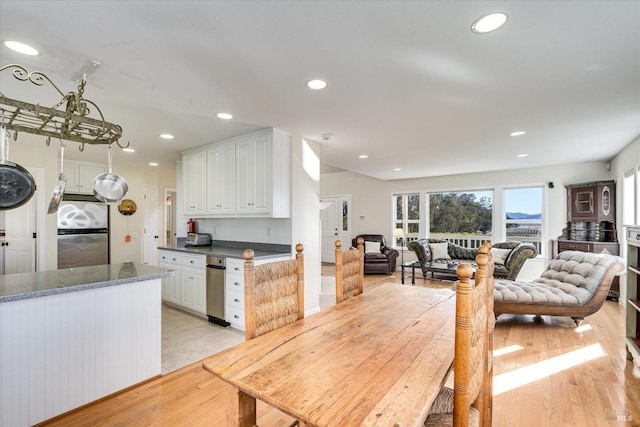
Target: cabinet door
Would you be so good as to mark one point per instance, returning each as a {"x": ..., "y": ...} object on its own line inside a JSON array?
[
  {"x": 221, "y": 179},
  {"x": 87, "y": 175},
  {"x": 262, "y": 178},
  {"x": 199, "y": 291},
  {"x": 253, "y": 180},
  {"x": 71, "y": 173},
  {"x": 169, "y": 284},
  {"x": 195, "y": 179},
  {"x": 582, "y": 202},
  {"x": 187, "y": 288},
  {"x": 245, "y": 168}
]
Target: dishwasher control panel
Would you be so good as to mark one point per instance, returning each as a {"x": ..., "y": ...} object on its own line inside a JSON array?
[{"x": 216, "y": 261}]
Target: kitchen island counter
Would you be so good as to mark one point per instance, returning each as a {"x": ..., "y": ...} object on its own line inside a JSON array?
[
  {"x": 14, "y": 287},
  {"x": 72, "y": 336}
]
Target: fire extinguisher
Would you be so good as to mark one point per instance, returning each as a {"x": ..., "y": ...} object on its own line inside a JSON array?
[{"x": 191, "y": 226}]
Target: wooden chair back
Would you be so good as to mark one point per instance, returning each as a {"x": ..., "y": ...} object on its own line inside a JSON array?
[
  {"x": 349, "y": 271},
  {"x": 472, "y": 381},
  {"x": 273, "y": 293}
]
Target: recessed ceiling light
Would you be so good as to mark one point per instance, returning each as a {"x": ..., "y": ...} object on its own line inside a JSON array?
[
  {"x": 166, "y": 136},
  {"x": 363, "y": 156},
  {"x": 224, "y": 116},
  {"x": 522, "y": 155},
  {"x": 517, "y": 133},
  {"x": 129, "y": 150},
  {"x": 316, "y": 84},
  {"x": 153, "y": 164},
  {"x": 397, "y": 169},
  {"x": 489, "y": 23},
  {"x": 21, "y": 48}
]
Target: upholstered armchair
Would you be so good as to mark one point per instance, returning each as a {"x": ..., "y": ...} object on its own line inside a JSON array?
[{"x": 378, "y": 257}]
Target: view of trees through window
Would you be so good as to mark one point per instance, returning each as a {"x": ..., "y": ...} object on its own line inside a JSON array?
[
  {"x": 467, "y": 218},
  {"x": 460, "y": 213}
]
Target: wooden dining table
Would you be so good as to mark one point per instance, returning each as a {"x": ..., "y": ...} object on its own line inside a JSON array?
[{"x": 379, "y": 358}]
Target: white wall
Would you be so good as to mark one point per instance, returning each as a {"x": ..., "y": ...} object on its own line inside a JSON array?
[
  {"x": 628, "y": 158},
  {"x": 371, "y": 198},
  {"x": 305, "y": 214}
]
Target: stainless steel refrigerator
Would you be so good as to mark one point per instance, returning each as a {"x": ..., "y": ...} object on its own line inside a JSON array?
[{"x": 83, "y": 231}]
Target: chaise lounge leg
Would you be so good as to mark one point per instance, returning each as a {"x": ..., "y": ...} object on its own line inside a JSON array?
[{"x": 578, "y": 320}]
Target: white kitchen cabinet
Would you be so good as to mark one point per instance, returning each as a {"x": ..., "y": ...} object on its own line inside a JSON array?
[
  {"x": 234, "y": 293},
  {"x": 234, "y": 290},
  {"x": 81, "y": 176},
  {"x": 194, "y": 169},
  {"x": 187, "y": 289},
  {"x": 253, "y": 183},
  {"x": 245, "y": 176},
  {"x": 170, "y": 285},
  {"x": 221, "y": 178}
]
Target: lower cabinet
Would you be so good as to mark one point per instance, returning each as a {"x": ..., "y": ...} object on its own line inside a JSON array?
[
  {"x": 234, "y": 290},
  {"x": 187, "y": 289}
]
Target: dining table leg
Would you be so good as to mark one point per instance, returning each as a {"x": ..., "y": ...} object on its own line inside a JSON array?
[{"x": 241, "y": 408}]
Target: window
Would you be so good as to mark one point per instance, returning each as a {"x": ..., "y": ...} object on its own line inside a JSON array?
[
  {"x": 630, "y": 200},
  {"x": 523, "y": 215},
  {"x": 469, "y": 218},
  {"x": 408, "y": 215},
  {"x": 464, "y": 218}
]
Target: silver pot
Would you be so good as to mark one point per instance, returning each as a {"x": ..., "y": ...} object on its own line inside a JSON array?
[
  {"x": 110, "y": 187},
  {"x": 17, "y": 185}
]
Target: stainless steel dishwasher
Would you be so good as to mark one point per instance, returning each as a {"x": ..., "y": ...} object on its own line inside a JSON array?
[{"x": 216, "y": 267}]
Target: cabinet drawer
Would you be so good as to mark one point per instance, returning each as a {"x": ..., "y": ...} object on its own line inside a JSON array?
[
  {"x": 169, "y": 257},
  {"x": 194, "y": 261},
  {"x": 235, "y": 300},
  {"x": 235, "y": 317},
  {"x": 575, "y": 246}
]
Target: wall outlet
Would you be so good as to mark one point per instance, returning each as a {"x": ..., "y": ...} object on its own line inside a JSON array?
[
  {"x": 134, "y": 235},
  {"x": 268, "y": 231}
]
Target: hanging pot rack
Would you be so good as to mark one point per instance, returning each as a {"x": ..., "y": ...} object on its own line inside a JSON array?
[{"x": 68, "y": 119}]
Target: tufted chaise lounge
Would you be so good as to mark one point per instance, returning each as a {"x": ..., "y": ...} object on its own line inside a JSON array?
[{"x": 575, "y": 284}]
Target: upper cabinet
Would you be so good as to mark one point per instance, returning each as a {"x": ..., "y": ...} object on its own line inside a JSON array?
[
  {"x": 221, "y": 178},
  {"x": 81, "y": 176},
  {"x": 194, "y": 169},
  {"x": 593, "y": 201},
  {"x": 244, "y": 176}
]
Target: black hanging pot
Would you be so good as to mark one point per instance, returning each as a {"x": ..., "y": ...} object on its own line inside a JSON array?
[{"x": 16, "y": 183}]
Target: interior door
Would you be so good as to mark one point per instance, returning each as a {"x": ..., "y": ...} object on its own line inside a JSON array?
[
  {"x": 150, "y": 234},
  {"x": 20, "y": 238},
  {"x": 328, "y": 227}
]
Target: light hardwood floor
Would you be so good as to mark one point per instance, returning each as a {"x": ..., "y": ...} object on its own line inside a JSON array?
[{"x": 554, "y": 375}]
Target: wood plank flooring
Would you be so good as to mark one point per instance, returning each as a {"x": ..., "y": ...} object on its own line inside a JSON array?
[{"x": 554, "y": 375}]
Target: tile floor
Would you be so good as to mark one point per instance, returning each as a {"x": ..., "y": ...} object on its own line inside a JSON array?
[{"x": 187, "y": 338}]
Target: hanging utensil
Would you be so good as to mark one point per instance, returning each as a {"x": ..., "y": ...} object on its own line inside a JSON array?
[
  {"x": 110, "y": 187},
  {"x": 16, "y": 183},
  {"x": 58, "y": 190}
]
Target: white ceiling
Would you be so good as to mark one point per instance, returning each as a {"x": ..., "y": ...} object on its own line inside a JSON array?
[{"x": 409, "y": 83}]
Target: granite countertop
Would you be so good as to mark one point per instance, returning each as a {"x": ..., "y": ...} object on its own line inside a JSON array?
[
  {"x": 14, "y": 287},
  {"x": 233, "y": 249}
]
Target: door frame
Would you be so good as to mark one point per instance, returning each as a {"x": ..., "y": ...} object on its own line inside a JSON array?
[{"x": 338, "y": 203}]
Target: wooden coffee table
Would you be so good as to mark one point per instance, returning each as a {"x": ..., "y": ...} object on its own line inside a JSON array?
[{"x": 447, "y": 269}]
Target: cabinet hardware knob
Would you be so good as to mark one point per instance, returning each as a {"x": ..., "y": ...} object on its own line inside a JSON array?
[
  {"x": 236, "y": 316},
  {"x": 236, "y": 283},
  {"x": 236, "y": 300}
]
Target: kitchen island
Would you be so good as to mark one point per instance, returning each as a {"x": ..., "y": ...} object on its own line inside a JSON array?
[{"x": 72, "y": 336}]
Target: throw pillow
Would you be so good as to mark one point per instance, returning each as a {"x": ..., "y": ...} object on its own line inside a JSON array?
[
  {"x": 500, "y": 255},
  {"x": 439, "y": 251},
  {"x": 371, "y": 247}
]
